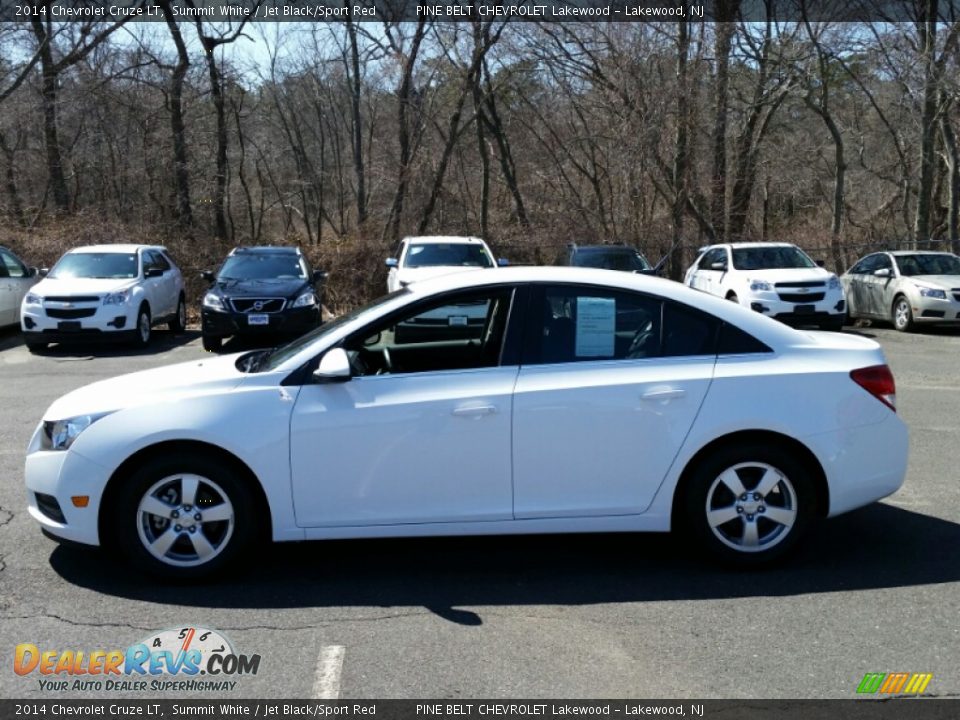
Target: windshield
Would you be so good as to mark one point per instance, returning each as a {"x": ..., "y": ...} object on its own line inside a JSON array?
[
  {"x": 96, "y": 265},
  {"x": 939, "y": 264},
  {"x": 770, "y": 258},
  {"x": 455, "y": 254},
  {"x": 270, "y": 266},
  {"x": 276, "y": 357},
  {"x": 607, "y": 260}
]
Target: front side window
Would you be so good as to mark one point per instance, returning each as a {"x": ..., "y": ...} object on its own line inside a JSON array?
[
  {"x": 446, "y": 254},
  {"x": 771, "y": 258},
  {"x": 113, "y": 266},
  {"x": 158, "y": 261},
  {"x": 578, "y": 323},
  {"x": 459, "y": 332},
  {"x": 10, "y": 266},
  {"x": 269, "y": 266}
]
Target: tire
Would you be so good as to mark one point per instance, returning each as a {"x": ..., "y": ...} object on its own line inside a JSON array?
[
  {"x": 212, "y": 344},
  {"x": 179, "y": 322},
  {"x": 901, "y": 315},
  {"x": 732, "y": 297},
  {"x": 156, "y": 500},
  {"x": 143, "y": 330},
  {"x": 36, "y": 347},
  {"x": 742, "y": 525}
]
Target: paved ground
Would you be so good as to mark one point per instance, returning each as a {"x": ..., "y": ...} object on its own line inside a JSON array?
[{"x": 597, "y": 616}]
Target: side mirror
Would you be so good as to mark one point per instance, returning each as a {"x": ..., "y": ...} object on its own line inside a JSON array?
[
  {"x": 334, "y": 367},
  {"x": 882, "y": 272},
  {"x": 718, "y": 266},
  {"x": 391, "y": 262},
  {"x": 44, "y": 271},
  {"x": 319, "y": 276},
  {"x": 821, "y": 263},
  {"x": 503, "y": 262},
  {"x": 207, "y": 275},
  {"x": 33, "y": 272},
  {"x": 153, "y": 272}
]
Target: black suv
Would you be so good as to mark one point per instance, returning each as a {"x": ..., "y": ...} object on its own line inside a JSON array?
[
  {"x": 261, "y": 291},
  {"x": 607, "y": 257}
]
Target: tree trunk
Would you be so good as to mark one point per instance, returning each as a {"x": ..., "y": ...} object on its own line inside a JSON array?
[
  {"x": 927, "y": 30},
  {"x": 680, "y": 159},
  {"x": 216, "y": 90},
  {"x": 181, "y": 172},
  {"x": 953, "y": 166},
  {"x": 10, "y": 183},
  {"x": 48, "y": 92},
  {"x": 726, "y": 11},
  {"x": 357, "y": 122}
]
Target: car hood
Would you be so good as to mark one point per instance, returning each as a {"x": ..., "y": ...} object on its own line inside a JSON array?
[
  {"x": 279, "y": 287},
  {"x": 81, "y": 286},
  {"x": 789, "y": 274},
  {"x": 947, "y": 282},
  {"x": 412, "y": 275},
  {"x": 166, "y": 383}
]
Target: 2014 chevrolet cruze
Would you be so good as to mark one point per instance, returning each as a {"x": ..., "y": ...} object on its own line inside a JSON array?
[{"x": 586, "y": 401}]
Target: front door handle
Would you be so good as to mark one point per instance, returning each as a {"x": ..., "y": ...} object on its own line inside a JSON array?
[
  {"x": 663, "y": 394},
  {"x": 474, "y": 411}
]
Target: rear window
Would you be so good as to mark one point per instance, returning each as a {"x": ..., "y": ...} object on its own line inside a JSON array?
[{"x": 629, "y": 261}]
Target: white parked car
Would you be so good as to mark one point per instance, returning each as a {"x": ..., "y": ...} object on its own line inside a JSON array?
[
  {"x": 421, "y": 258},
  {"x": 105, "y": 292},
  {"x": 776, "y": 279},
  {"x": 15, "y": 280},
  {"x": 588, "y": 401}
]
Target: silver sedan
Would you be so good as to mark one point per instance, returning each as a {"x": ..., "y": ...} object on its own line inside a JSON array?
[{"x": 906, "y": 287}]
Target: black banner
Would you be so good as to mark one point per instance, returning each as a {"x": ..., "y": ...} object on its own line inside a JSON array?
[
  {"x": 470, "y": 10},
  {"x": 864, "y": 709}
]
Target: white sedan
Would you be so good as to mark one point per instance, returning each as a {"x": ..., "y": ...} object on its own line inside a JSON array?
[
  {"x": 587, "y": 401},
  {"x": 101, "y": 292}
]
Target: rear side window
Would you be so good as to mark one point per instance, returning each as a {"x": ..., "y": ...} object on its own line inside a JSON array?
[
  {"x": 734, "y": 341},
  {"x": 582, "y": 323}
]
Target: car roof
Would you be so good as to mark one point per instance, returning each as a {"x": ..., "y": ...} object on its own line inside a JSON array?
[
  {"x": 900, "y": 253},
  {"x": 266, "y": 250},
  {"x": 125, "y": 248},
  {"x": 738, "y": 245},
  {"x": 605, "y": 248},
  {"x": 444, "y": 239}
]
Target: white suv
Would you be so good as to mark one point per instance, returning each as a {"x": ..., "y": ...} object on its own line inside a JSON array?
[
  {"x": 420, "y": 258},
  {"x": 776, "y": 279},
  {"x": 105, "y": 291}
]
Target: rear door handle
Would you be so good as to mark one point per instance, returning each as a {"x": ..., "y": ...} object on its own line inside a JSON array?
[
  {"x": 474, "y": 411},
  {"x": 663, "y": 394}
]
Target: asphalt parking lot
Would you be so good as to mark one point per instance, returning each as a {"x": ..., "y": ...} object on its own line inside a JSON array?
[{"x": 877, "y": 590}]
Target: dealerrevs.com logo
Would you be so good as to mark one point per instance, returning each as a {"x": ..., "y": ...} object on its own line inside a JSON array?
[{"x": 178, "y": 659}]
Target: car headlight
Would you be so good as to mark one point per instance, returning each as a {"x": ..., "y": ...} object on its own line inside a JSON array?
[
  {"x": 117, "y": 298},
  {"x": 31, "y": 299},
  {"x": 760, "y": 286},
  {"x": 308, "y": 299},
  {"x": 60, "y": 434},
  {"x": 213, "y": 301},
  {"x": 833, "y": 283},
  {"x": 933, "y": 293}
]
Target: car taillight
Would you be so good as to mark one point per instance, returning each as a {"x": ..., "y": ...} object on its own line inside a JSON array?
[{"x": 878, "y": 381}]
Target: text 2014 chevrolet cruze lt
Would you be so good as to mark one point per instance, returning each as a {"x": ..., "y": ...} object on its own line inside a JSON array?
[{"x": 586, "y": 401}]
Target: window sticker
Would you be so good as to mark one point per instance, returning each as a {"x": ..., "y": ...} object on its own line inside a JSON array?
[{"x": 596, "y": 326}]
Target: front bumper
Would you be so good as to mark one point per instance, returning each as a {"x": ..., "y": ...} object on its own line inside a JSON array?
[
  {"x": 83, "y": 323},
  {"x": 934, "y": 311},
  {"x": 821, "y": 307},
  {"x": 53, "y": 478},
  {"x": 297, "y": 321}
]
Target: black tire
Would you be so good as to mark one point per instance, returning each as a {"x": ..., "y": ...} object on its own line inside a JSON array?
[
  {"x": 793, "y": 496},
  {"x": 901, "y": 314},
  {"x": 212, "y": 344},
  {"x": 179, "y": 322},
  {"x": 732, "y": 297},
  {"x": 143, "y": 330},
  {"x": 217, "y": 483},
  {"x": 36, "y": 347}
]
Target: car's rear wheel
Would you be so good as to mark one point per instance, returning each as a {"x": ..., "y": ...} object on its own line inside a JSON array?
[
  {"x": 183, "y": 517},
  {"x": 141, "y": 335},
  {"x": 36, "y": 347},
  {"x": 902, "y": 314},
  {"x": 179, "y": 322},
  {"x": 748, "y": 505},
  {"x": 212, "y": 344}
]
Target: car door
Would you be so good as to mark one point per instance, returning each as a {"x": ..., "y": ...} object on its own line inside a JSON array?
[
  {"x": 393, "y": 283},
  {"x": 7, "y": 297},
  {"x": 168, "y": 287},
  {"x": 877, "y": 287},
  {"x": 708, "y": 277},
  {"x": 15, "y": 281},
  {"x": 610, "y": 384},
  {"x": 421, "y": 432},
  {"x": 856, "y": 287}
]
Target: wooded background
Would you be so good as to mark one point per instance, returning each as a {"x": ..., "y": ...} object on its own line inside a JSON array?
[{"x": 343, "y": 137}]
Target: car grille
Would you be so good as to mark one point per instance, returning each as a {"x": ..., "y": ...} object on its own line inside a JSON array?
[
  {"x": 801, "y": 297},
  {"x": 70, "y": 314},
  {"x": 73, "y": 299},
  {"x": 806, "y": 284},
  {"x": 258, "y": 305}
]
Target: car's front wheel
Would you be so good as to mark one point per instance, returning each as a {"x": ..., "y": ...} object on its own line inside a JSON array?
[
  {"x": 212, "y": 344},
  {"x": 749, "y": 504},
  {"x": 902, "y": 314},
  {"x": 183, "y": 517},
  {"x": 179, "y": 322},
  {"x": 141, "y": 335}
]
